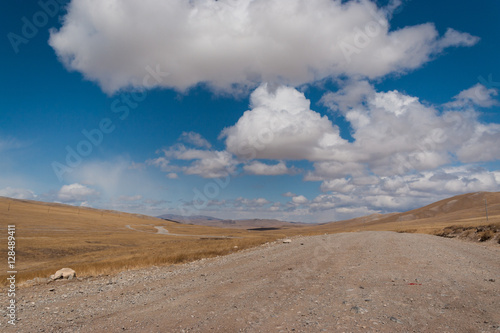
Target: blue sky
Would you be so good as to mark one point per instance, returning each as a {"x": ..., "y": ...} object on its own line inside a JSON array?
[{"x": 298, "y": 110}]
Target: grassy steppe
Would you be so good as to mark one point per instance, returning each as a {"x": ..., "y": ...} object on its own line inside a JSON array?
[{"x": 92, "y": 242}]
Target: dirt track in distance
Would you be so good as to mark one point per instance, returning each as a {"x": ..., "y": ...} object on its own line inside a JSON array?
[{"x": 349, "y": 282}]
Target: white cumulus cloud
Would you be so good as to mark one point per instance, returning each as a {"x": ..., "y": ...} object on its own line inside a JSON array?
[
  {"x": 477, "y": 95},
  {"x": 263, "y": 169},
  {"x": 76, "y": 192},
  {"x": 393, "y": 134},
  {"x": 178, "y": 44},
  {"x": 251, "y": 203},
  {"x": 204, "y": 163},
  {"x": 300, "y": 199},
  {"x": 341, "y": 185},
  {"x": 281, "y": 125}
]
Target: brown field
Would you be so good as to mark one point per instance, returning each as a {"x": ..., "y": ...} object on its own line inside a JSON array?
[
  {"x": 97, "y": 242},
  {"x": 94, "y": 242}
]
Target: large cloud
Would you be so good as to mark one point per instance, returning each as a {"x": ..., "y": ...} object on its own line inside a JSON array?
[
  {"x": 244, "y": 42},
  {"x": 281, "y": 125},
  {"x": 393, "y": 133}
]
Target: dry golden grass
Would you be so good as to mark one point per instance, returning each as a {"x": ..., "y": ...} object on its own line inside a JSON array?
[{"x": 95, "y": 242}]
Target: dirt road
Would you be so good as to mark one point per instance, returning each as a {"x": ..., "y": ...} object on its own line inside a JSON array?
[
  {"x": 351, "y": 282},
  {"x": 162, "y": 231}
]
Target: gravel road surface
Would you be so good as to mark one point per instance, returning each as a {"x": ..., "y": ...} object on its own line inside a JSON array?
[{"x": 350, "y": 282}]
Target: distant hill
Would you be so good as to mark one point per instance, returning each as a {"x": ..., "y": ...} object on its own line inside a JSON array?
[
  {"x": 460, "y": 209},
  {"x": 187, "y": 219},
  {"x": 209, "y": 221},
  {"x": 470, "y": 205},
  {"x": 465, "y": 205}
]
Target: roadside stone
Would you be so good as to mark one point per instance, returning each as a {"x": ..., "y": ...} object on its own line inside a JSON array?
[{"x": 64, "y": 273}]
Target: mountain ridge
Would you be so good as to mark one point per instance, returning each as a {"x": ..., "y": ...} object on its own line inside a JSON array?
[{"x": 229, "y": 223}]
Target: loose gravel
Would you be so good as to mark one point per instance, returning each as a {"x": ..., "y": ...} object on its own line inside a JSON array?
[{"x": 350, "y": 282}]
